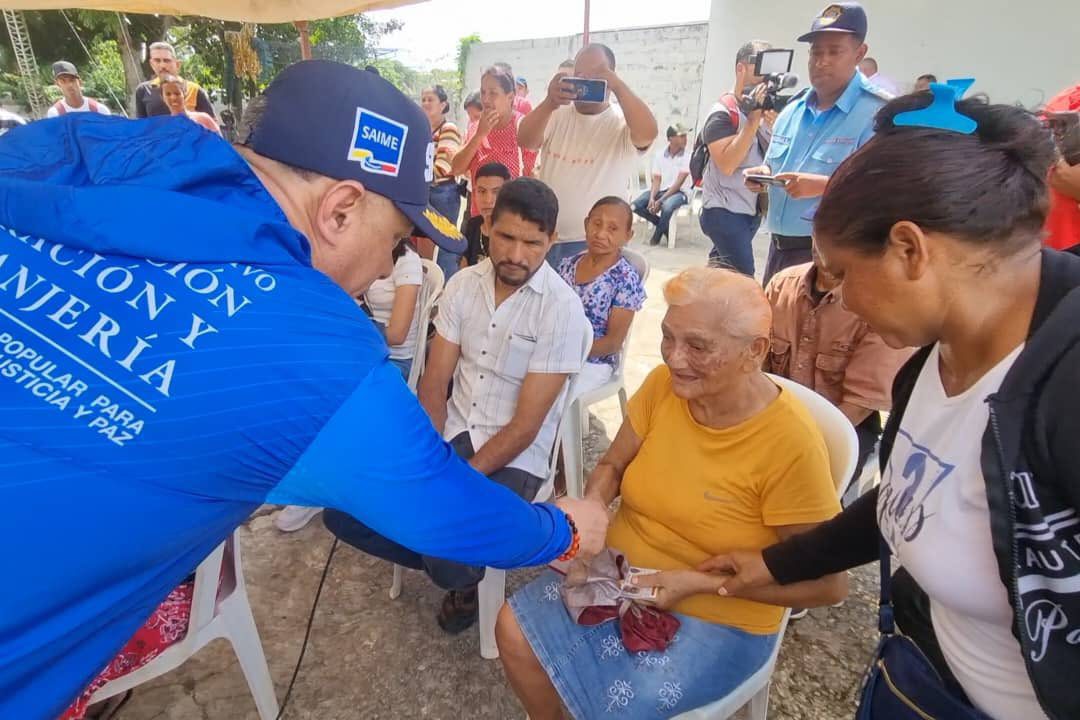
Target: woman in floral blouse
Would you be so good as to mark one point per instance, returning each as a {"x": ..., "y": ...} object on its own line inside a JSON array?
[{"x": 610, "y": 288}]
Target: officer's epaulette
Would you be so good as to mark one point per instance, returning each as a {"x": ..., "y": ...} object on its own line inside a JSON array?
[{"x": 878, "y": 92}]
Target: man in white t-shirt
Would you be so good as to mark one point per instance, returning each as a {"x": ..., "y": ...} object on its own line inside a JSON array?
[
  {"x": 66, "y": 77},
  {"x": 589, "y": 150},
  {"x": 509, "y": 334},
  {"x": 670, "y": 168}
]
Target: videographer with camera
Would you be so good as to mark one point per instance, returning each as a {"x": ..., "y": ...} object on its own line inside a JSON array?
[
  {"x": 734, "y": 137},
  {"x": 817, "y": 131}
]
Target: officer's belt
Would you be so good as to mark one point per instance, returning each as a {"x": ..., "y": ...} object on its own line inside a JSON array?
[{"x": 792, "y": 242}]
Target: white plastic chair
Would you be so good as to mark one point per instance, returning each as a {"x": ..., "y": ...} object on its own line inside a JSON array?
[
  {"x": 843, "y": 446},
  {"x": 492, "y": 589},
  {"x": 219, "y": 609},
  {"x": 576, "y": 424},
  {"x": 691, "y": 208},
  {"x": 430, "y": 290}
]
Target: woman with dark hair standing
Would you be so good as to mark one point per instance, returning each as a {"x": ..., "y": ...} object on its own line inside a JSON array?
[
  {"x": 445, "y": 196},
  {"x": 934, "y": 228},
  {"x": 493, "y": 138}
]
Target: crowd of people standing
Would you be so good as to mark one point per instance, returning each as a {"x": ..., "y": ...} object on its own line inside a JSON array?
[{"x": 927, "y": 293}]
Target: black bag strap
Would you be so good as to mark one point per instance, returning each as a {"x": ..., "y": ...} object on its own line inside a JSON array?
[{"x": 886, "y": 616}]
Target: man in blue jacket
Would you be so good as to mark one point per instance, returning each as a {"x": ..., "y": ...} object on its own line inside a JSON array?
[{"x": 163, "y": 373}]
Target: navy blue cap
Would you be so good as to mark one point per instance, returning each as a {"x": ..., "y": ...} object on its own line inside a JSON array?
[
  {"x": 350, "y": 124},
  {"x": 845, "y": 17}
]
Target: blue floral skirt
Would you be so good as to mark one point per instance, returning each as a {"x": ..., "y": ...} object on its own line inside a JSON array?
[{"x": 597, "y": 677}]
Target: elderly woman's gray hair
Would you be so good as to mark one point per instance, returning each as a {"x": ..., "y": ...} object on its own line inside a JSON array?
[{"x": 737, "y": 298}]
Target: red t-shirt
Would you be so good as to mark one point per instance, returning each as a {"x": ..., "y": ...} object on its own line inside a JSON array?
[
  {"x": 1063, "y": 222},
  {"x": 501, "y": 145}
]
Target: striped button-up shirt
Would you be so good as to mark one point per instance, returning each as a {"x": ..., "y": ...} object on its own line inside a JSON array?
[{"x": 541, "y": 328}]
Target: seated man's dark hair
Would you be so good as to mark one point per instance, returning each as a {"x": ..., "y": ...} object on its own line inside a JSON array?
[{"x": 529, "y": 199}]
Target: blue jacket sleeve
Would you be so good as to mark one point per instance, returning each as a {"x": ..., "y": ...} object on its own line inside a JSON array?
[{"x": 380, "y": 460}]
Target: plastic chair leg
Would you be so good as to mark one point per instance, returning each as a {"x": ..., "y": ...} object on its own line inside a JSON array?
[
  {"x": 573, "y": 450},
  {"x": 759, "y": 704},
  {"x": 395, "y": 586},
  {"x": 623, "y": 400},
  {"x": 672, "y": 231},
  {"x": 244, "y": 637},
  {"x": 492, "y": 593}
]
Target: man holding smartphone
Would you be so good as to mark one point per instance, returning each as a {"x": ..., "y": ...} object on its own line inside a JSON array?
[
  {"x": 590, "y": 148},
  {"x": 817, "y": 130}
]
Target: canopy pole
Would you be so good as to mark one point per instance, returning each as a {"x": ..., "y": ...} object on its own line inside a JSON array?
[
  {"x": 585, "y": 34},
  {"x": 305, "y": 39}
]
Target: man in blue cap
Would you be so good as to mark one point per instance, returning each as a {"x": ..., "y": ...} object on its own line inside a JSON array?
[
  {"x": 817, "y": 130},
  {"x": 161, "y": 380}
]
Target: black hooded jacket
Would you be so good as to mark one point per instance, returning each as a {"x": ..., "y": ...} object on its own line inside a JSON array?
[{"x": 1031, "y": 463}]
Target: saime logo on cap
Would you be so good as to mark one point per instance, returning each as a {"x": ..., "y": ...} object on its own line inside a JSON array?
[{"x": 378, "y": 143}]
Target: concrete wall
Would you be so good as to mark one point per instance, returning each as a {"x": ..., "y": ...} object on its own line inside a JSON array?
[
  {"x": 662, "y": 64},
  {"x": 1018, "y": 51}
]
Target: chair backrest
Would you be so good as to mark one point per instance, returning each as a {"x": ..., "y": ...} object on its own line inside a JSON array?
[
  {"x": 430, "y": 290},
  {"x": 839, "y": 433},
  {"x": 642, "y": 266},
  {"x": 568, "y": 401}
]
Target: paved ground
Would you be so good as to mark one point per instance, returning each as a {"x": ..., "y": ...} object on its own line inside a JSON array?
[{"x": 371, "y": 657}]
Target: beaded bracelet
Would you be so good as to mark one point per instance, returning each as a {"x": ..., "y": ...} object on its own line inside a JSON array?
[{"x": 575, "y": 542}]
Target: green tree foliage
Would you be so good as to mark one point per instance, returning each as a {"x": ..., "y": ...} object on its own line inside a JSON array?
[{"x": 464, "y": 46}]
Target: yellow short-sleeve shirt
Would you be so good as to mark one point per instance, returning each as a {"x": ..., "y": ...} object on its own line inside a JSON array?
[{"x": 693, "y": 491}]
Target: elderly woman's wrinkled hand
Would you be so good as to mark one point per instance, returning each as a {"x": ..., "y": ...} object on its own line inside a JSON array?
[
  {"x": 746, "y": 569},
  {"x": 675, "y": 585},
  {"x": 591, "y": 519}
]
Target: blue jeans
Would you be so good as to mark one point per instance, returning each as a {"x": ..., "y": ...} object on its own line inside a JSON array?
[
  {"x": 732, "y": 236},
  {"x": 404, "y": 365},
  {"x": 446, "y": 200},
  {"x": 667, "y": 210},
  {"x": 447, "y": 574},
  {"x": 562, "y": 250}
]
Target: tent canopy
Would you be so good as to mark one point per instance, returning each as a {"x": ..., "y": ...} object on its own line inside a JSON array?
[{"x": 256, "y": 11}]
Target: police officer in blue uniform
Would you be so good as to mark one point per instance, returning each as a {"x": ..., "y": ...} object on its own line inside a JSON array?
[{"x": 817, "y": 130}]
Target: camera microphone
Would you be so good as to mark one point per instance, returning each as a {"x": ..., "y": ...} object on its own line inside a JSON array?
[{"x": 789, "y": 80}]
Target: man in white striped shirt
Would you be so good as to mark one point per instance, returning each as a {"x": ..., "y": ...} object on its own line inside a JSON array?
[{"x": 511, "y": 333}]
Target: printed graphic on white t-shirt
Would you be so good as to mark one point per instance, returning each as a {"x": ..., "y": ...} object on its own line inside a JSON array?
[{"x": 932, "y": 510}]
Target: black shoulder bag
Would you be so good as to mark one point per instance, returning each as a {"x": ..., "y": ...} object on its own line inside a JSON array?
[{"x": 901, "y": 684}]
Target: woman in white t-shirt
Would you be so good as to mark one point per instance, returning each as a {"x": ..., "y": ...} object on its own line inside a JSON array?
[
  {"x": 935, "y": 229},
  {"x": 394, "y": 303}
]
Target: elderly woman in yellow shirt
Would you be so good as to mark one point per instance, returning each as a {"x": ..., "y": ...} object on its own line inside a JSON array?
[{"x": 712, "y": 456}]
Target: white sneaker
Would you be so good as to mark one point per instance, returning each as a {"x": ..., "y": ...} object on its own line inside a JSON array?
[{"x": 295, "y": 517}]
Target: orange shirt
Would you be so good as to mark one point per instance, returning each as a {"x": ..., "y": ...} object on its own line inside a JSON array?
[
  {"x": 693, "y": 492},
  {"x": 826, "y": 347}
]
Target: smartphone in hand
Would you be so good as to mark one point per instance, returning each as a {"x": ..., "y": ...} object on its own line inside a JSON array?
[
  {"x": 765, "y": 180},
  {"x": 586, "y": 90}
]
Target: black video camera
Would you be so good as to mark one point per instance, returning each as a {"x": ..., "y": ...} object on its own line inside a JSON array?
[{"x": 775, "y": 67}]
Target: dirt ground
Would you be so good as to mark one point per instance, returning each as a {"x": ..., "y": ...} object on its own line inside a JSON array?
[{"x": 371, "y": 657}]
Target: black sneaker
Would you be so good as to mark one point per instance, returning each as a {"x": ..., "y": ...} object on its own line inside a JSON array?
[{"x": 460, "y": 609}]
